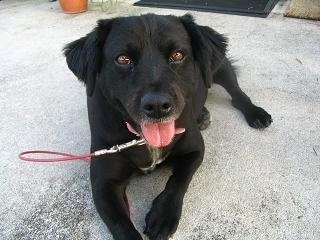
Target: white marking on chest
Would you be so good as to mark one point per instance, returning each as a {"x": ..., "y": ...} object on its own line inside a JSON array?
[{"x": 156, "y": 157}]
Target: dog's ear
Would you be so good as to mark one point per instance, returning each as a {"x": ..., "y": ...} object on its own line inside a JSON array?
[
  {"x": 208, "y": 46},
  {"x": 84, "y": 56}
]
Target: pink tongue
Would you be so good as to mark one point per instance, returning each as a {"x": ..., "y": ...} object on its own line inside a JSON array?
[{"x": 159, "y": 134}]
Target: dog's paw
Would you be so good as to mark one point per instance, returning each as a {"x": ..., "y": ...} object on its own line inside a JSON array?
[
  {"x": 163, "y": 218},
  {"x": 257, "y": 117},
  {"x": 204, "y": 119}
]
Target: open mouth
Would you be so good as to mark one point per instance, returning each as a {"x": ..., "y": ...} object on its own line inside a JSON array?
[{"x": 158, "y": 134}]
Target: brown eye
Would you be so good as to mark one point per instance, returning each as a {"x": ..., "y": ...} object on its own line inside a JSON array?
[
  {"x": 124, "y": 60},
  {"x": 176, "y": 56}
]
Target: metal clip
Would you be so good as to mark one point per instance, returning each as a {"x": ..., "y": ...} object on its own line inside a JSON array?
[{"x": 119, "y": 148}]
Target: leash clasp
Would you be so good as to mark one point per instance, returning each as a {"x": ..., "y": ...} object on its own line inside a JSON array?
[{"x": 120, "y": 147}]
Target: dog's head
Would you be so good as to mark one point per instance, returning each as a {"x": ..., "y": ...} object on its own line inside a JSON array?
[{"x": 149, "y": 67}]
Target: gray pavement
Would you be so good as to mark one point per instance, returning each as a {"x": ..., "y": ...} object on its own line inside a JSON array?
[{"x": 252, "y": 185}]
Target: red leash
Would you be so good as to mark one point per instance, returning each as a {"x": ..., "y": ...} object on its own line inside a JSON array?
[
  {"x": 65, "y": 156},
  {"x": 69, "y": 157}
]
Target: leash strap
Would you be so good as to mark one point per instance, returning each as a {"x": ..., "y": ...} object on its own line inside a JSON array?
[{"x": 25, "y": 156}]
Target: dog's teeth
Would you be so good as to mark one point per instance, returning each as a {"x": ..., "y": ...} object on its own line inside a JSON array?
[
  {"x": 179, "y": 130},
  {"x": 131, "y": 129}
]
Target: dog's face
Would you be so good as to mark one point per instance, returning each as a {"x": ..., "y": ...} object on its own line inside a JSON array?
[
  {"x": 148, "y": 72},
  {"x": 147, "y": 66}
]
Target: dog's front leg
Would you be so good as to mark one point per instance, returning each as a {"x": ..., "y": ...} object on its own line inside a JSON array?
[
  {"x": 163, "y": 218},
  {"x": 109, "y": 178}
]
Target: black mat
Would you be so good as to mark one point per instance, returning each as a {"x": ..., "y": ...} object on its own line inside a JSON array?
[{"x": 257, "y": 8}]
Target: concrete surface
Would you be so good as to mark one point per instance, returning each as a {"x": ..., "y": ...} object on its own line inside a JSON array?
[{"x": 252, "y": 184}]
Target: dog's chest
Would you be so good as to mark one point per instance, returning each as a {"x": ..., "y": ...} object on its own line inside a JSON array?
[{"x": 157, "y": 156}]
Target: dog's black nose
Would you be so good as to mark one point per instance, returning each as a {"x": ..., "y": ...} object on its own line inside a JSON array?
[{"x": 156, "y": 105}]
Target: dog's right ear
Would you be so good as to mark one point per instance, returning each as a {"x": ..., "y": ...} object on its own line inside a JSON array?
[{"x": 84, "y": 56}]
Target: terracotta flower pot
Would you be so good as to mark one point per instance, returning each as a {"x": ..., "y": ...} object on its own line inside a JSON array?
[{"x": 74, "y": 6}]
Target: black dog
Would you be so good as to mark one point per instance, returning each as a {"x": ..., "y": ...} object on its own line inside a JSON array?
[{"x": 149, "y": 75}]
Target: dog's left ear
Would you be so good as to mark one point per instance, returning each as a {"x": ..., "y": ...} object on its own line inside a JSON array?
[
  {"x": 84, "y": 56},
  {"x": 208, "y": 46}
]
